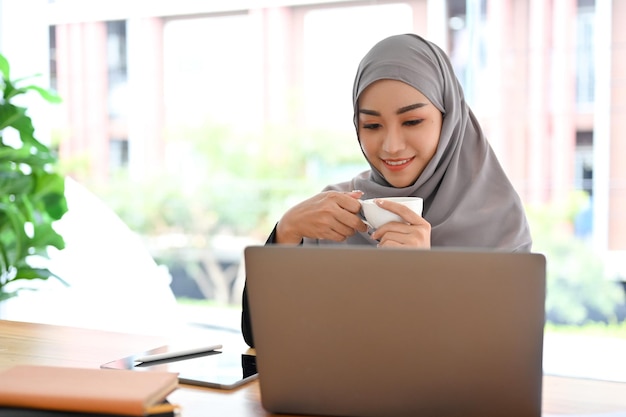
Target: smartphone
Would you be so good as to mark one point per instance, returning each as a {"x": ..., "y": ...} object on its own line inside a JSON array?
[{"x": 221, "y": 369}]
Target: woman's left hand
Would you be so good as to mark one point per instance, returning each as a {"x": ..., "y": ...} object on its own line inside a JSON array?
[{"x": 414, "y": 232}]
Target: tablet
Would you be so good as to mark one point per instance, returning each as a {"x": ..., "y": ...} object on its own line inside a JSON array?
[{"x": 215, "y": 369}]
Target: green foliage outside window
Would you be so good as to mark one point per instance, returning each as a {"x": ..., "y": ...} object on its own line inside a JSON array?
[
  {"x": 578, "y": 288},
  {"x": 230, "y": 181}
]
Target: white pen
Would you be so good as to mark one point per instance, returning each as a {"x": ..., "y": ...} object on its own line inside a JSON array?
[{"x": 176, "y": 354}]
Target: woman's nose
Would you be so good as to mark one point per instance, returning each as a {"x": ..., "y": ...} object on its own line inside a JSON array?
[{"x": 394, "y": 142}]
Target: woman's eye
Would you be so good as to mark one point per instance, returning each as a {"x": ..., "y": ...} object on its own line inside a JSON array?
[
  {"x": 413, "y": 122},
  {"x": 371, "y": 126}
]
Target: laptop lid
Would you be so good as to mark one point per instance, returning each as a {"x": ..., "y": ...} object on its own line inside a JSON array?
[{"x": 360, "y": 331}]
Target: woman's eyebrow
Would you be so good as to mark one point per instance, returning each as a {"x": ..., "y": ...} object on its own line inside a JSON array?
[
  {"x": 370, "y": 112},
  {"x": 399, "y": 111},
  {"x": 410, "y": 107}
]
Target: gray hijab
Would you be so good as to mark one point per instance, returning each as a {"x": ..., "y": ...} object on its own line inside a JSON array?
[{"x": 468, "y": 199}]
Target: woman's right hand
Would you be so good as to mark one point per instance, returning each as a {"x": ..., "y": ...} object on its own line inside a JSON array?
[{"x": 329, "y": 215}]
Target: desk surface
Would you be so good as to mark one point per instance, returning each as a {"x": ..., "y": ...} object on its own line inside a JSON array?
[{"x": 31, "y": 343}]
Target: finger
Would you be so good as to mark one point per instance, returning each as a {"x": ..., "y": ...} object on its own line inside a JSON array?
[
  {"x": 387, "y": 237},
  {"x": 403, "y": 235},
  {"x": 352, "y": 221},
  {"x": 392, "y": 228},
  {"x": 408, "y": 215},
  {"x": 330, "y": 234},
  {"x": 350, "y": 201},
  {"x": 389, "y": 244},
  {"x": 362, "y": 226},
  {"x": 338, "y": 233}
]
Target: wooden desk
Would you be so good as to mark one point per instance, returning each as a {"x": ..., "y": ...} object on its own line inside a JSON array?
[{"x": 30, "y": 343}]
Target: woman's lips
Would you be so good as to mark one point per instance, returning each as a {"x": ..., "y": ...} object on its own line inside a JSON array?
[{"x": 397, "y": 164}]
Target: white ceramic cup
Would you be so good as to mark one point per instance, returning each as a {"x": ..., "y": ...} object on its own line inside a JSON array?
[{"x": 376, "y": 216}]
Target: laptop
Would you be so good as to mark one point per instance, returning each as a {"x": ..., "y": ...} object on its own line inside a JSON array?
[{"x": 366, "y": 332}]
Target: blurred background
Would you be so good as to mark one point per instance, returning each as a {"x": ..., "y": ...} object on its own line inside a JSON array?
[{"x": 188, "y": 127}]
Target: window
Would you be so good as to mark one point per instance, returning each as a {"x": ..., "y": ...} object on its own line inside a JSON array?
[
  {"x": 117, "y": 68},
  {"x": 118, "y": 154},
  {"x": 585, "y": 71},
  {"x": 52, "y": 39}
]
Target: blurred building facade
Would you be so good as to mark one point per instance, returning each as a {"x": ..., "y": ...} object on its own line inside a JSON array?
[{"x": 545, "y": 77}]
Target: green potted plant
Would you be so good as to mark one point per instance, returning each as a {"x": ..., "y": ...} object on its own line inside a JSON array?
[{"x": 32, "y": 193}]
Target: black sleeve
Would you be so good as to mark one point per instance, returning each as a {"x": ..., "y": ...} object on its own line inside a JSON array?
[{"x": 246, "y": 326}]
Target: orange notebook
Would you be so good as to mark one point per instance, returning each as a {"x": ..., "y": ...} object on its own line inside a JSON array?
[{"x": 87, "y": 390}]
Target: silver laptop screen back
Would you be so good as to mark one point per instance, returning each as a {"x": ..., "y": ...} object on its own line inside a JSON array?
[{"x": 356, "y": 331}]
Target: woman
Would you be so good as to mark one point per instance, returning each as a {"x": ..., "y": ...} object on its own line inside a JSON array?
[{"x": 421, "y": 139}]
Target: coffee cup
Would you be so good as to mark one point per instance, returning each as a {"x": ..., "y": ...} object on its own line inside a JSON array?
[{"x": 376, "y": 216}]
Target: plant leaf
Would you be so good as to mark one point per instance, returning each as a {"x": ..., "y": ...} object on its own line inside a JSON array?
[
  {"x": 48, "y": 95},
  {"x": 27, "y": 272},
  {"x": 9, "y": 114},
  {"x": 20, "y": 239},
  {"x": 6, "y": 295},
  {"x": 15, "y": 182},
  {"x": 5, "y": 68},
  {"x": 45, "y": 236}
]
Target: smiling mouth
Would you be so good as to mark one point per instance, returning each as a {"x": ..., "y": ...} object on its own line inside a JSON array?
[{"x": 397, "y": 162}]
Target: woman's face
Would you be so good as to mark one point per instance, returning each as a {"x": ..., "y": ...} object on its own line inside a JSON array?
[{"x": 398, "y": 130}]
